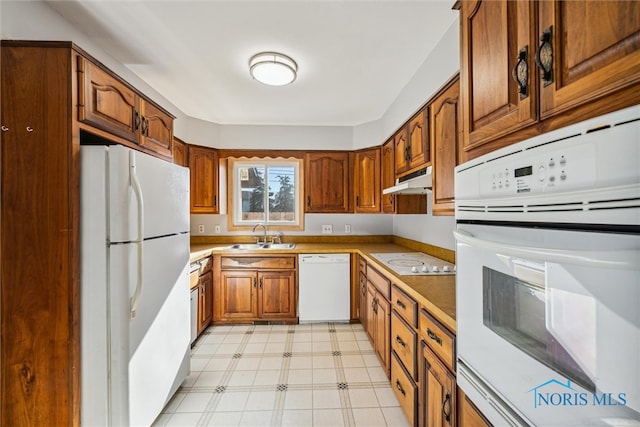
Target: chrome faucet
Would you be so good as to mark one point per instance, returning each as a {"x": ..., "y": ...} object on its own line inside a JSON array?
[{"x": 264, "y": 228}]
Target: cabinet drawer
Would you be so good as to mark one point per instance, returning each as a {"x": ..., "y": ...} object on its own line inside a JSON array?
[
  {"x": 405, "y": 306},
  {"x": 403, "y": 342},
  {"x": 257, "y": 262},
  {"x": 405, "y": 390},
  {"x": 379, "y": 281},
  {"x": 439, "y": 339}
]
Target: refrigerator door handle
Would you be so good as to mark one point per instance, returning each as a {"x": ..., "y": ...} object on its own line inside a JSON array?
[{"x": 137, "y": 189}]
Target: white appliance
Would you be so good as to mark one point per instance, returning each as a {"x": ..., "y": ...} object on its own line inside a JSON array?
[
  {"x": 135, "y": 328},
  {"x": 548, "y": 277},
  {"x": 414, "y": 263},
  {"x": 324, "y": 288}
]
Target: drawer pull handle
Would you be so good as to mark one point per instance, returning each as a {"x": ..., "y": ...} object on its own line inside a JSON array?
[
  {"x": 447, "y": 415},
  {"x": 400, "y": 389},
  {"x": 401, "y": 304},
  {"x": 434, "y": 336},
  {"x": 399, "y": 341}
]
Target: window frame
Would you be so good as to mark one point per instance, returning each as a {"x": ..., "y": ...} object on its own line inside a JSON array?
[{"x": 234, "y": 202}]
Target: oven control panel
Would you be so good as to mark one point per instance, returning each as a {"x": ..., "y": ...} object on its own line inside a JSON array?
[{"x": 544, "y": 169}]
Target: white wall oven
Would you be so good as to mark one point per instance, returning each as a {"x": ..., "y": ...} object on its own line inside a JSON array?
[{"x": 548, "y": 279}]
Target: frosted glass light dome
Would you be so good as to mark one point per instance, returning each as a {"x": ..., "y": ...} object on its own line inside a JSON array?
[{"x": 272, "y": 68}]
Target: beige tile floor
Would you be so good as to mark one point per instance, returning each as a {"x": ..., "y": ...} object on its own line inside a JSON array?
[{"x": 284, "y": 375}]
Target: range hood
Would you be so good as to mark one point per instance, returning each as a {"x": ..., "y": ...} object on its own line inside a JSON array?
[{"x": 418, "y": 182}]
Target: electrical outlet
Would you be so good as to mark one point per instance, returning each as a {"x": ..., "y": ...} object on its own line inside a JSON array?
[
  {"x": 217, "y": 229},
  {"x": 201, "y": 228},
  {"x": 327, "y": 229},
  {"x": 347, "y": 228}
]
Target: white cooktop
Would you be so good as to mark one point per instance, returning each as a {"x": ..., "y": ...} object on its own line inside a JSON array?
[{"x": 414, "y": 263}]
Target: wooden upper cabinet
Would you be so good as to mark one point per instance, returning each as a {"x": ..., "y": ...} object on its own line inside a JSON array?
[
  {"x": 156, "y": 129},
  {"x": 401, "y": 156},
  {"x": 107, "y": 103},
  {"x": 326, "y": 182},
  {"x": 595, "y": 50},
  {"x": 388, "y": 175},
  {"x": 367, "y": 191},
  {"x": 419, "y": 150},
  {"x": 180, "y": 152},
  {"x": 494, "y": 35},
  {"x": 445, "y": 137},
  {"x": 203, "y": 166},
  {"x": 397, "y": 203}
]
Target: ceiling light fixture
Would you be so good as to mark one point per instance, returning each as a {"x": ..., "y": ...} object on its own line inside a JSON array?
[{"x": 272, "y": 68}]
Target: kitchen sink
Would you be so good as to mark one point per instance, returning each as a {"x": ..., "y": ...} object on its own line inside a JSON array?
[{"x": 261, "y": 246}]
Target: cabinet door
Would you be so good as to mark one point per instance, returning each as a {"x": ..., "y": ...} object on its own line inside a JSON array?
[
  {"x": 238, "y": 294},
  {"x": 367, "y": 181},
  {"x": 388, "y": 174},
  {"x": 383, "y": 331},
  {"x": 277, "y": 294},
  {"x": 156, "y": 129},
  {"x": 438, "y": 392},
  {"x": 400, "y": 140},
  {"x": 206, "y": 292},
  {"x": 596, "y": 51},
  {"x": 180, "y": 154},
  {"x": 362, "y": 286},
  {"x": 370, "y": 317},
  {"x": 468, "y": 414},
  {"x": 419, "y": 150},
  {"x": 203, "y": 165},
  {"x": 445, "y": 136},
  {"x": 493, "y": 33},
  {"x": 107, "y": 103},
  {"x": 326, "y": 182}
]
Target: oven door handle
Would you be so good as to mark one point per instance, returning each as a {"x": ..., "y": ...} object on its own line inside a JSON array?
[{"x": 618, "y": 259}]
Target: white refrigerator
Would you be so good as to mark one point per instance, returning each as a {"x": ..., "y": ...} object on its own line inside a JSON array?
[{"x": 135, "y": 301}]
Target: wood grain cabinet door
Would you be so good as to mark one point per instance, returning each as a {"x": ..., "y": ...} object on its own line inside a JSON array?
[
  {"x": 206, "y": 283},
  {"x": 367, "y": 181},
  {"x": 203, "y": 165},
  {"x": 180, "y": 152},
  {"x": 445, "y": 139},
  {"x": 419, "y": 150},
  {"x": 388, "y": 175},
  {"x": 327, "y": 182},
  {"x": 595, "y": 51},
  {"x": 238, "y": 294},
  {"x": 438, "y": 392},
  {"x": 107, "y": 103},
  {"x": 494, "y": 36},
  {"x": 401, "y": 155},
  {"x": 277, "y": 294},
  {"x": 156, "y": 129},
  {"x": 383, "y": 332}
]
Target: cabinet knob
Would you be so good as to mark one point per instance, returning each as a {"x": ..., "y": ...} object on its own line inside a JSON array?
[
  {"x": 4, "y": 128},
  {"x": 30, "y": 129}
]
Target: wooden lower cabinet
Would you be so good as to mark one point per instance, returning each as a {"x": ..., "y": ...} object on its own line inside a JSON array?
[
  {"x": 246, "y": 295},
  {"x": 377, "y": 324},
  {"x": 468, "y": 414},
  {"x": 437, "y": 391},
  {"x": 276, "y": 294},
  {"x": 205, "y": 300}
]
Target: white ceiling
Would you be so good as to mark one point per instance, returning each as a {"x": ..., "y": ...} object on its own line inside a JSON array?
[{"x": 354, "y": 57}]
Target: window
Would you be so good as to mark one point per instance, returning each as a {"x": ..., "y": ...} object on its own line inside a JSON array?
[{"x": 266, "y": 191}]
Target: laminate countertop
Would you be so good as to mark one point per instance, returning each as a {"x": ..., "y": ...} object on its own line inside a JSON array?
[{"x": 437, "y": 294}]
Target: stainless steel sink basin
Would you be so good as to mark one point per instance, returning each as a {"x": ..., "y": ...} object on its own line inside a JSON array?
[
  {"x": 261, "y": 246},
  {"x": 278, "y": 246}
]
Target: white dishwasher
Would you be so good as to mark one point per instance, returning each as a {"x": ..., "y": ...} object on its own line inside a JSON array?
[{"x": 324, "y": 288}]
